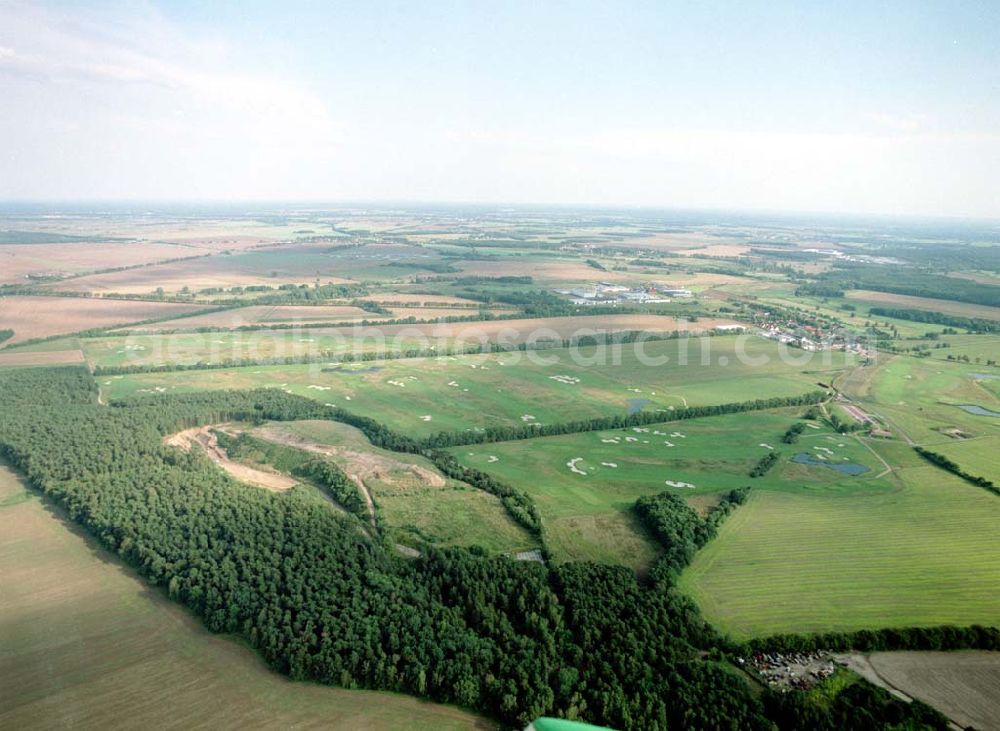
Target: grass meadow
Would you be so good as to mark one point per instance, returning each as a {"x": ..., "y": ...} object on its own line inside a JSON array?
[
  {"x": 798, "y": 561},
  {"x": 421, "y": 396},
  {"x": 586, "y": 484}
]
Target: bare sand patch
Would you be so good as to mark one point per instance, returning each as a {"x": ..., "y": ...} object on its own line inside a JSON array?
[{"x": 203, "y": 438}]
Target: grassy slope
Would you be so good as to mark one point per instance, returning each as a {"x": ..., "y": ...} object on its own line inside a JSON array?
[{"x": 86, "y": 644}]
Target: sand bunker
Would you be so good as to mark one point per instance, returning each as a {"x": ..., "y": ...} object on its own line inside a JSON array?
[
  {"x": 674, "y": 483},
  {"x": 573, "y": 468}
]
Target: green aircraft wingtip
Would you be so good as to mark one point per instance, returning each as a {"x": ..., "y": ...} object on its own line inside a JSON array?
[{"x": 561, "y": 724}]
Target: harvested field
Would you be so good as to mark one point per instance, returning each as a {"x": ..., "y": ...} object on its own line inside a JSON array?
[
  {"x": 18, "y": 261},
  {"x": 965, "y": 686},
  {"x": 87, "y": 644},
  {"x": 39, "y": 317},
  {"x": 717, "y": 250},
  {"x": 47, "y": 358},
  {"x": 270, "y": 266},
  {"x": 258, "y": 314},
  {"x": 204, "y": 439},
  {"x": 948, "y": 307},
  {"x": 547, "y": 271},
  {"x": 425, "y": 300},
  {"x": 286, "y": 314}
]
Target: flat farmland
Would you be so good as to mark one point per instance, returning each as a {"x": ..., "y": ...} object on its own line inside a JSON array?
[
  {"x": 886, "y": 299},
  {"x": 271, "y": 266},
  {"x": 963, "y": 685},
  {"x": 87, "y": 644},
  {"x": 586, "y": 484},
  {"x": 427, "y": 300},
  {"x": 801, "y": 562},
  {"x": 18, "y": 261},
  {"x": 191, "y": 348},
  {"x": 421, "y": 396},
  {"x": 259, "y": 314},
  {"x": 17, "y": 358},
  {"x": 39, "y": 317}
]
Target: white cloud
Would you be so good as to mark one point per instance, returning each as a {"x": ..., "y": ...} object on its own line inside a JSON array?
[{"x": 134, "y": 87}]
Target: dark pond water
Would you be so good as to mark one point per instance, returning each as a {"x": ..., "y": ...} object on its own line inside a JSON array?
[
  {"x": 847, "y": 468},
  {"x": 635, "y": 405},
  {"x": 978, "y": 410}
]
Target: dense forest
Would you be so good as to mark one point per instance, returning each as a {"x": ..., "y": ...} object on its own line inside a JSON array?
[{"x": 321, "y": 601}]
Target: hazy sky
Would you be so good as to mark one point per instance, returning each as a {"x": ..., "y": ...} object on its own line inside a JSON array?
[{"x": 882, "y": 107}]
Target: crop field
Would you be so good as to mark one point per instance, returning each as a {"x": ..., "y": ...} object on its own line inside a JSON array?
[
  {"x": 801, "y": 561},
  {"x": 17, "y": 358},
  {"x": 188, "y": 348},
  {"x": 258, "y": 314},
  {"x": 271, "y": 266},
  {"x": 594, "y": 478},
  {"x": 417, "y": 503},
  {"x": 886, "y": 299},
  {"x": 20, "y": 261},
  {"x": 964, "y": 685},
  {"x": 39, "y": 317},
  {"x": 89, "y": 644},
  {"x": 426, "y": 395}
]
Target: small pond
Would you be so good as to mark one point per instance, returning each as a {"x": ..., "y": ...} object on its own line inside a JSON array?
[
  {"x": 978, "y": 410},
  {"x": 846, "y": 468}
]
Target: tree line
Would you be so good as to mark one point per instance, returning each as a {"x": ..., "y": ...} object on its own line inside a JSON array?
[
  {"x": 944, "y": 463},
  {"x": 972, "y": 324},
  {"x": 620, "y": 421}
]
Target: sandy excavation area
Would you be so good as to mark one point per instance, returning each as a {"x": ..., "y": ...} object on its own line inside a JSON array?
[{"x": 203, "y": 438}]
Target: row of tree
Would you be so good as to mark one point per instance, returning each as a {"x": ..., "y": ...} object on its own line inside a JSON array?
[{"x": 947, "y": 464}]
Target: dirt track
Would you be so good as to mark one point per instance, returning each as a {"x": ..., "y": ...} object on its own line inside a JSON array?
[
  {"x": 361, "y": 467},
  {"x": 206, "y": 441}
]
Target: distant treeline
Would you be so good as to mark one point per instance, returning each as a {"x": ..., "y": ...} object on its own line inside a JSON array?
[
  {"x": 907, "y": 638},
  {"x": 943, "y": 462},
  {"x": 6, "y": 335},
  {"x": 973, "y": 324},
  {"x": 911, "y": 282}
]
